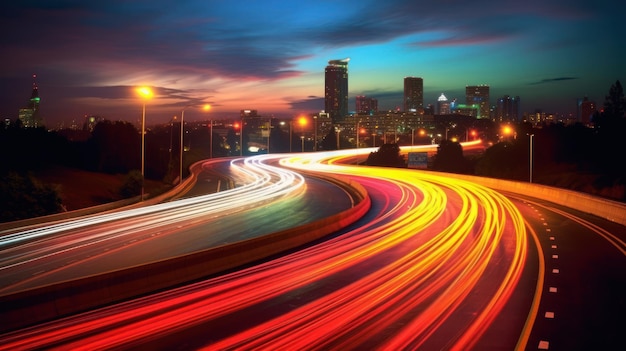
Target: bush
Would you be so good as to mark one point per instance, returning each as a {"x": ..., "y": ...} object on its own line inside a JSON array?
[
  {"x": 23, "y": 196},
  {"x": 132, "y": 184}
]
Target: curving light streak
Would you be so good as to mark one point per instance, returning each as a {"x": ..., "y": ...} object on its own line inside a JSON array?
[
  {"x": 403, "y": 279},
  {"x": 259, "y": 183}
]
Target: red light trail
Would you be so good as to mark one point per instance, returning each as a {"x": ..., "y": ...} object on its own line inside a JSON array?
[{"x": 432, "y": 267}]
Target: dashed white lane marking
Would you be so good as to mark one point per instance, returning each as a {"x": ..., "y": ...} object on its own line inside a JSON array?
[
  {"x": 550, "y": 315},
  {"x": 555, "y": 271},
  {"x": 554, "y": 246},
  {"x": 553, "y": 289},
  {"x": 543, "y": 345},
  {"x": 555, "y": 256}
]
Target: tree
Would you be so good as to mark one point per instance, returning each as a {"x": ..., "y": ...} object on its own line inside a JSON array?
[
  {"x": 614, "y": 103},
  {"x": 450, "y": 158},
  {"x": 23, "y": 196},
  {"x": 388, "y": 155},
  {"x": 132, "y": 184},
  {"x": 610, "y": 126},
  {"x": 117, "y": 146}
]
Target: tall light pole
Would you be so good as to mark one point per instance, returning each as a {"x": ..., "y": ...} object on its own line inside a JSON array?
[
  {"x": 290, "y": 135},
  {"x": 269, "y": 132},
  {"x": 315, "y": 133},
  {"x": 531, "y": 157},
  {"x": 357, "y": 134},
  {"x": 145, "y": 93},
  {"x": 241, "y": 138},
  {"x": 206, "y": 107},
  {"x": 182, "y": 127},
  {"x": 302, "y": 122}
]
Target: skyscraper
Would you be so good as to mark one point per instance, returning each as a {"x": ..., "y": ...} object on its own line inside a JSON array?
[
  {"x": 478, "y": 95},
  {"x": 336, "y": 89},
  {"x": 366, "y": 105},
  {"x": 443, "y": 105},
  {"x": 587, "y": 108},
  {"x": 508, "y": 109},
  {"x": 29, "y": 116},
  {"x": 413, "y": 94}
]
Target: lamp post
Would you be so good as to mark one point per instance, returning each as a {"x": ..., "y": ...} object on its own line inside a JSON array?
[
  {"x": 290, "y": 135},
  {"x": 210, "y": 138},
  {"x": 182, "y": 127},
  {"x": 269, "y": 132},
  {"x": 302, "y": 122},
  {"x": 531, "y": 146},
  {"x": 145, "y": 93},
  {"x": 337, "y": 131},
  {"x": 241, "y": 138},
  {"x": 315, "y": 133},
  {"x": 182, "y": 133}
]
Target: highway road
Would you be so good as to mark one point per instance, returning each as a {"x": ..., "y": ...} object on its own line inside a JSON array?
[
  {"x": 262, "y": 199},
  {"x": 436, "y": 264}
]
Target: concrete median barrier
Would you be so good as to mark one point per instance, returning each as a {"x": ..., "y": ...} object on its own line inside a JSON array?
[{"x": 44, "y": 303}]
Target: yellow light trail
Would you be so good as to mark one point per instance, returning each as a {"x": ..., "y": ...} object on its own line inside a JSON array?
[{"x": 432, "y": 243}]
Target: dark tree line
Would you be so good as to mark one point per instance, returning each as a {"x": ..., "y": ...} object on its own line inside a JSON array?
[
  {"x": 577, "y": 157},
  {"x": 112, "y": 148}
]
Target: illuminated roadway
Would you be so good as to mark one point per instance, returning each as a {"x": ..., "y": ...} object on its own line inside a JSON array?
[
  {"x": 437, "y": 263},
  {"x": 266, "y": 199}
]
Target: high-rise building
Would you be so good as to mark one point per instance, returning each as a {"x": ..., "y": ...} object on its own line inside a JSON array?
[
  {"x": 366, "y": 105},
  {"x": 443, "y": 105},
  {"x": 29, "y": 116},
  {"x": 414, "y": 94},
  {"x": 508, "y": 109},
  {"x": 336, "y": 89},
  {"x": 478, "y": 95},
  {"x": 587, "y": 108}
]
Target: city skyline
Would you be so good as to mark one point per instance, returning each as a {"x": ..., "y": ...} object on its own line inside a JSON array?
[{"x": 270, "y": 56}]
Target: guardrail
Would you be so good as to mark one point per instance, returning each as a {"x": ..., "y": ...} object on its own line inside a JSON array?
[
  {"x": 613, "y": 211},
  {"x": 36, "y": 305},
  {"x": 32, "y": 306}
]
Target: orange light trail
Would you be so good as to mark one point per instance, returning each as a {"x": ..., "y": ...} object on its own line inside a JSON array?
[{"x": 402, "y": 279}]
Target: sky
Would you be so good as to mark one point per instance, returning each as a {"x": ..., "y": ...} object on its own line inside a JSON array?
[{"x": 89, "y": 56}]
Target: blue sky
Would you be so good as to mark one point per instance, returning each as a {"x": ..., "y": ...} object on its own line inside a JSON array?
[{"x": 270, "y": 55}]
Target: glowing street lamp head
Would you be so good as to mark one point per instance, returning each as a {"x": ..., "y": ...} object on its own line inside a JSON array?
[
  {"x": 507, "y": 130},
  {"x": 302, "y": 121},
  {"x": 145, "y": 92}
]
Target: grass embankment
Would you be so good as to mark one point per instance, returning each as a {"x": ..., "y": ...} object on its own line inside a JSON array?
[{"x": 80, "y": 189}]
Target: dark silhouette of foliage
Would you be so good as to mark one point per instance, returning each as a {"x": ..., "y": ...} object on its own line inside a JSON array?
[
  {"x": 31, "y": 149},
  {"x": 329, "y": 141},
  {"x": 388, "y": 155},
  {"x": 502, "y": 160},
  {"x": 232, "y": 140},
  {"x": 132, "y": 184},
  {"x": 117, "y": 147},
  {"x": 23, "y": 196},
  {"x": 449, "y": 158}
]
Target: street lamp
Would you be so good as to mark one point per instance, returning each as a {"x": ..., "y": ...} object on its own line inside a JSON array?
[
  {"x": 532, "y": 146},
  {"x": 239, "y": 126},
  {"x": 315, "y": 133},
  {"x": 302, "y": 121},
  {"x": 182, "y": 129},
  {"x": 145, "y": 93}
]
